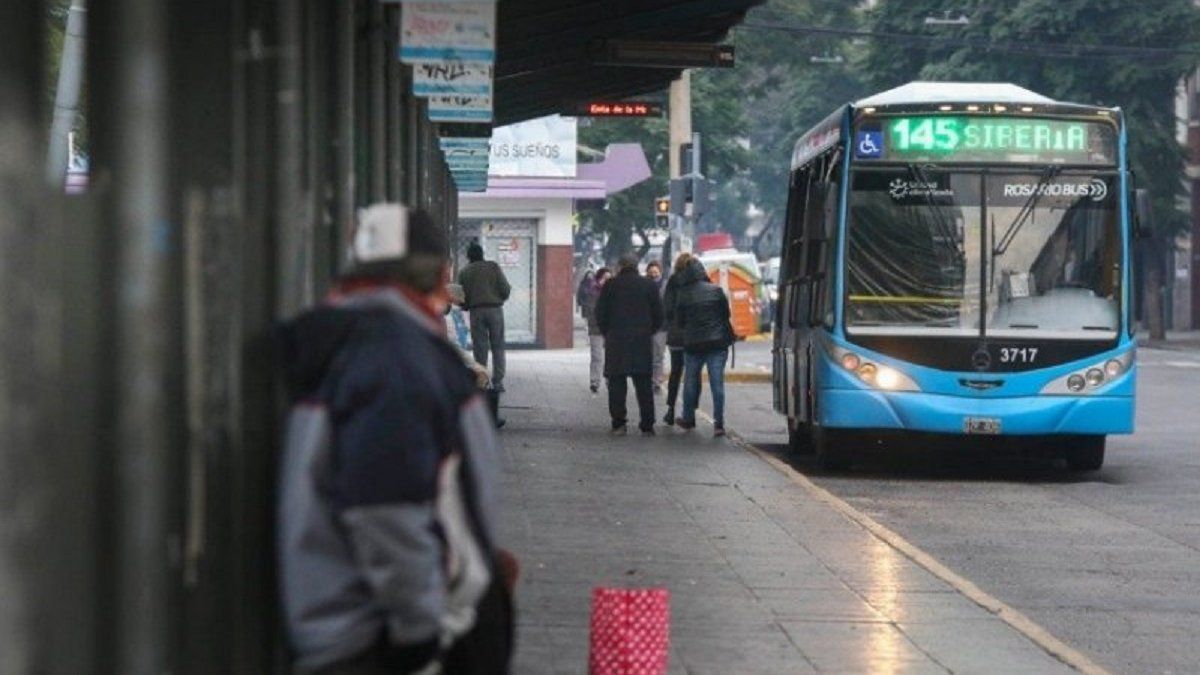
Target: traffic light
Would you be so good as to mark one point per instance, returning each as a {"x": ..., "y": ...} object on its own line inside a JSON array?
[{"x": 662, "y": 212}]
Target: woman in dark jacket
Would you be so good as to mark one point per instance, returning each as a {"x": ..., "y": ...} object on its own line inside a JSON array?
[
  {"x": 677, "y": 279},
  {"x": 703, "y": 311}
]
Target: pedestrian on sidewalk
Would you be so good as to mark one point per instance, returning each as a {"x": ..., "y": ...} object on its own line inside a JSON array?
[
  {"x": 654, "y": 273},
  {"x": 388, "y": 560},
  {"x": 629, "y": 313},
  {"x": 486, "y": 290},
  {"x": 703, "y": 311},
  {"x": 588, "y": 296},
  {"x": 679, "y": 276}
]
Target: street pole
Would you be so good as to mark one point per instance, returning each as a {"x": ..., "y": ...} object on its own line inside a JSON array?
[
  {"x": 679, "y": 123},
  {"x": 66, "y": 99}
]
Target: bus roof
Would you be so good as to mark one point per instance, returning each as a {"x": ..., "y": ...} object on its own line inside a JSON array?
[{"x": 956, "y": 92}]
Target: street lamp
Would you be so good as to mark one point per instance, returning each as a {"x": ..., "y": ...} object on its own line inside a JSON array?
[{"x": 946, "y": 20}]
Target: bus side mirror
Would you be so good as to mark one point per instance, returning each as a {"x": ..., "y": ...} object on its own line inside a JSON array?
[{"x": 1143, "y": 220}]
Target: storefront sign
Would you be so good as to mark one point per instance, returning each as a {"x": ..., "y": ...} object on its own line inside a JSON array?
[
  {"x": 464, "y": 78},
  {"x": 541, "y": 148},
  {"x": 465, "y": 109},
  {"x": 448, "y": 31}
]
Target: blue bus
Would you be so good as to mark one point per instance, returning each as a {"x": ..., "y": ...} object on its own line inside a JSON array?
[{"x": 956, "y": 261}]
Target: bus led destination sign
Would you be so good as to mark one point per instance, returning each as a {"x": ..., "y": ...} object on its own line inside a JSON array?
[{"x": 995, "y": 138}]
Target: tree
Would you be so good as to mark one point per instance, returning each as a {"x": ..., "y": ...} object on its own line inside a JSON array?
[{"x": 1063, "y": 49}]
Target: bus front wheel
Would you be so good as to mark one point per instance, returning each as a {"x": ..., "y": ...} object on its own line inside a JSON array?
[
  {"x": 829, "y": 446},
  {"x": 1085, "y": 453},
  {"x": 799, "y": 436}
]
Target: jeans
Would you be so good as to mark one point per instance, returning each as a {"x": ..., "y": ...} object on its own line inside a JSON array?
[
  {"x": 597, "y": 367},
  {"x": 618, "y": 388},
  {"x": 714, "y": 361},
  {"x": 487, "y": 333},
  {"x": 660, "y": 349}
]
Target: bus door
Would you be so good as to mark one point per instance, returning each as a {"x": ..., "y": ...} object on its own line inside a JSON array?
[{"x": 791, "y": 289}]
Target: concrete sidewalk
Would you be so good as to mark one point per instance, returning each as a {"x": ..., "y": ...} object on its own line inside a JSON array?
[{"x": 764, "y": 576}]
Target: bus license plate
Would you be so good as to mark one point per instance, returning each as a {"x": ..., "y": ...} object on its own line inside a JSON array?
[{"x": 981, "y": 425}]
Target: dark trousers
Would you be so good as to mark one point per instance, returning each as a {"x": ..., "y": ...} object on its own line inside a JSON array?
[
  {"x": 485, "y": 650},
  {"x": 618, "y": 389},
  {"x": 487, "y": 334},
  {"x": 674, "y": 378}
]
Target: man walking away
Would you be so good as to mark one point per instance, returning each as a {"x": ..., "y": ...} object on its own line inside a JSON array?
[
  {"x": 388, "y": 485},
  {"x": 629, "y": 313},
  {"x": 703, "y": 312},
  {"x": 486, "y": 291}
]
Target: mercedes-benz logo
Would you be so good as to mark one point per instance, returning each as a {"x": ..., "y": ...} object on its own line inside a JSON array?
[{"x": 981, "y": 359}]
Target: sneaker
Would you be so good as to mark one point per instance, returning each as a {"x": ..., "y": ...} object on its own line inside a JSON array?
[
  {"x": 619, "y": 431},
  {"x": 719, "y": 430},
  {"x": 669, "y": 418},
  {"x": 648, "y": 432},
  {"x": 500, "y": 423},
  {"x": 595, "y": 388},
  {"x": 684, "y": 424}
]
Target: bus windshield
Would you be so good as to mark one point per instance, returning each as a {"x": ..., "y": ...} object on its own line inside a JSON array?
[{"x": 1002, "y": 252}]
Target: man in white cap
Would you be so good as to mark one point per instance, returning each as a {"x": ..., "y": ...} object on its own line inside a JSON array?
[{"x": 387, "y": 508}]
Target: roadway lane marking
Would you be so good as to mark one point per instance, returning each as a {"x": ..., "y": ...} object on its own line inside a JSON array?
[{"x": 1018, "y": 621}]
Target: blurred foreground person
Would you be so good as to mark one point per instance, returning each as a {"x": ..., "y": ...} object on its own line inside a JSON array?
[
  {"x": 629, "y": 313},
  {"x": 387, "y": 501}
]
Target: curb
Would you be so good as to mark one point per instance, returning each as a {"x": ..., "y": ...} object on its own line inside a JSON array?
[{"x": 744, "y": 376}]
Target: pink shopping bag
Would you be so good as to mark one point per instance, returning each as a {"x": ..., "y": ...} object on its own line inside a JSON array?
[{"x": 631, "y": 630}]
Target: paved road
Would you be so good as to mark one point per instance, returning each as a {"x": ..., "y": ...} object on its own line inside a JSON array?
[{"x": 1109, "y": 562}]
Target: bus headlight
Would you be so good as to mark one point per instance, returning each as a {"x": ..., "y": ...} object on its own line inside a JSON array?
[
  {"x": 873, "y": 374},
  {"x": 887, "y": 378},
  {"x": 1084, "y": 380},
  {"x": 1113, "y": 368}
]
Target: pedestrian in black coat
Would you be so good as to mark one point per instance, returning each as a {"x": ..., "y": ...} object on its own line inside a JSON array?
[{"x": 629, "y": 312}]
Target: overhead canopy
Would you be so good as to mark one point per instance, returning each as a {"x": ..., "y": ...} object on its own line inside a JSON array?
[{"x": 544, "y": 51}]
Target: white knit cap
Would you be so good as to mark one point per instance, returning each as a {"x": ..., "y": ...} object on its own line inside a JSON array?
[{"x": 382, "y": 233}]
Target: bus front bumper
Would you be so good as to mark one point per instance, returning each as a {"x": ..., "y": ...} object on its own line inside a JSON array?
[{"x": 938, "y": 413}]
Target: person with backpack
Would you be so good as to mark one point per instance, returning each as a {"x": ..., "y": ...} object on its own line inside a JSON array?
[{"x": 388, "y": 554}]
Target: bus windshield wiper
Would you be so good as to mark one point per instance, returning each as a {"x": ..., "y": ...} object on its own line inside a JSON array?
[{"x": 1014, "y": 228}]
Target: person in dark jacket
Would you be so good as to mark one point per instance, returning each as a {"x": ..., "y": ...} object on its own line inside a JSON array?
[
  {"x": 679, "y": 276},
  {"x": 486, "y": 290},
  {"x": 703, "y": 313},
  {"x": 388, "y": 559},
  {"x": 629, "y": 313},
  {"x": 588, "y": 296}
]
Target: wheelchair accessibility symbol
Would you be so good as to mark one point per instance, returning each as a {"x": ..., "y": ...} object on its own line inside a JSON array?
[{"x": 869, "y": 144}]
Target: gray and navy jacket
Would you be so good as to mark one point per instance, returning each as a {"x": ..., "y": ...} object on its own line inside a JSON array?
[{"x": 388, "y": 482}]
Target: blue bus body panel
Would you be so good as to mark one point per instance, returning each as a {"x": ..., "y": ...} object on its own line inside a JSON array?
[{"x": 944, "y": 403}]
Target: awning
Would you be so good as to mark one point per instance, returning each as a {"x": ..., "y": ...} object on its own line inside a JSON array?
[{"x": 544, "y": 46}]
